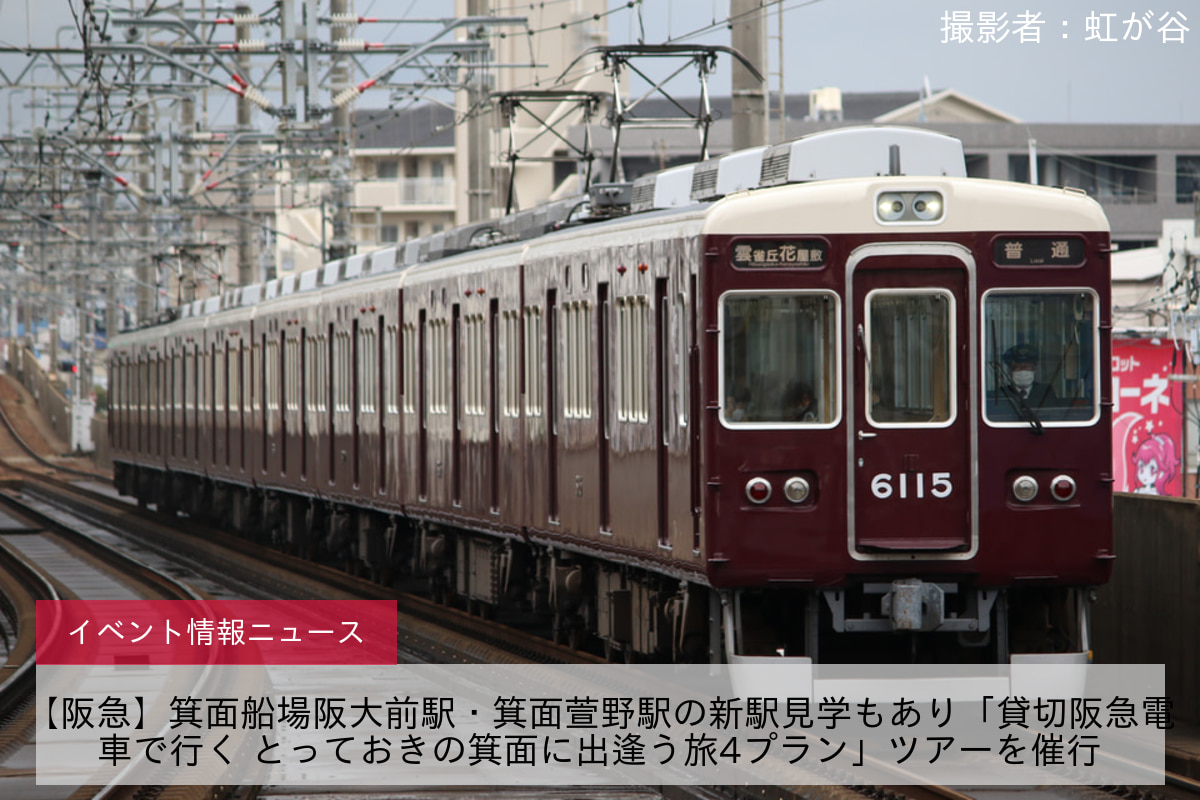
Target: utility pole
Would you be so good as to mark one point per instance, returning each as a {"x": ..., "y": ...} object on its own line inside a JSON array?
[
  {"x": 342, "y": 123},
  {"x": 147, "y": 285},
  {"x": 245, "y": 258},
  {"x": 749, "y": 97},
  {"x": 478, "y": 128}
]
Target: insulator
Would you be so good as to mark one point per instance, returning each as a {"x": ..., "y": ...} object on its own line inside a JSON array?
[
  {"x": 251, "y": 45},
  {"x": 246, "y": 19},
  {"x": 258, "y": 98},
  {"x": 350, "y": 45},
  {"x": 343, "y": 19},
  {"x": 345, "y": 96}
]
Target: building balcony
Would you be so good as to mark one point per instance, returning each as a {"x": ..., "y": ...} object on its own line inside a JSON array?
[{"x": 404, "y": 193}]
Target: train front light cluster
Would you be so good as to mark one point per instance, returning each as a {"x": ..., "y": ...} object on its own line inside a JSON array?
[
  {"x": 1026, "y": 488},
  {"x": 898, "y": 207},
  {"x": 795, "y": 490}
]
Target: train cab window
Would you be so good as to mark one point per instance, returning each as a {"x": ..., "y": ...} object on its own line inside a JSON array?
[
  {"x": 1040, "y": 357},
  {"x": 779, "y": 354},
  {"x": 910, "y": 372}
]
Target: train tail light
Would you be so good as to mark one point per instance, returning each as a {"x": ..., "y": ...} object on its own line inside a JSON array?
[
  {"x": 1063, "y": 488},
  {"x": 758, "y": 490},
  {"x": 796, "y": 490},
  {"x": 1025, "y": 488}
]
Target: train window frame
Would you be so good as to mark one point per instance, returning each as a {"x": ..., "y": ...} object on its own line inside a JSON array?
[
  {"x": 951, "y": 361},
  {"x": 984, "y": 345},
  {"x": 833, "y": 369}
]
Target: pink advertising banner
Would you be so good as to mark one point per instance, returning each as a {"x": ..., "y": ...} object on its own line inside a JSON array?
[{"x": 1147, "y": 418}]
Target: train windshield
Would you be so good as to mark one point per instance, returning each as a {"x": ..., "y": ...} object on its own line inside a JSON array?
[
  {"x": 780, "y": 357},
  {"x": 1040, "y": 357}
]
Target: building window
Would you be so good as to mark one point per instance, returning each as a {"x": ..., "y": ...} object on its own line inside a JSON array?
[
  {"x": 410, "y": 168},
  {"x": 1187, "y": 178},
  {"x": 412, "y": 230},
  {"x": 438, "y": 227},
  {"x": 389, "y": 233},
  {"x": 437, "y": 170},
  {"x": 1108, "y": 179},
  {"x": 387, "y": 169}
]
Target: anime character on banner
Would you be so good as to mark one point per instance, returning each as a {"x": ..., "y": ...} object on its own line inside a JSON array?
[
  {"x": 1156, "y": 463},
  {"x": 1147, "y": 419}
]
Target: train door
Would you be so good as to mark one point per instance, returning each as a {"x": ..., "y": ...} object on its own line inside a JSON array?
[{"x": 913, "y": 439}]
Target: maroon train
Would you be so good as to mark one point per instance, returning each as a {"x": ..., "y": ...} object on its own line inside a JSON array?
[{"x": 829, "y": 400}]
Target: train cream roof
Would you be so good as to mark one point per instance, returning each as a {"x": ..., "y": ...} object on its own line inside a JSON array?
[{"x": 848, "y": 206}]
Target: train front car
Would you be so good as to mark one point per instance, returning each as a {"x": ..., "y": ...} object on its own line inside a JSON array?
[{"x": 908, "y": 447}]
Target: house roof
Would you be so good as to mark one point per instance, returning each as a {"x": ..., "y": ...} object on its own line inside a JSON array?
[
  {"x": 945, "y": 106},
  {"x": 427, "y": 125}
]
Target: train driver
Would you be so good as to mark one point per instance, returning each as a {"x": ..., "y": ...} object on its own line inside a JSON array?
[{"x": 1021, "y": 362}]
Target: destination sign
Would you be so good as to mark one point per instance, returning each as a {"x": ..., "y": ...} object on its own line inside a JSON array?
[
  {"x": 777, "y": 254},
  {"x": 1038, "y": 252}
]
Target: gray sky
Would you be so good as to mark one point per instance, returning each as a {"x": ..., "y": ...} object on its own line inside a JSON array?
[{"x": 892, "y": 45}]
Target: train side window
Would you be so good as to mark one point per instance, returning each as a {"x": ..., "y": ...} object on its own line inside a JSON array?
[
  {"x": 779, "y": 359},
  {"x": 910, "y": 339},
  {"x": 1041, "y": 357}
]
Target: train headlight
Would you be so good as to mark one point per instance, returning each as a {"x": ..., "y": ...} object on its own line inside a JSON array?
[
  {"x": 1063, "y": 488},
  {"x": 758, "y": 490},
  {"x": 1025, "y": 488},
  {"x": 927, "y": 206},
  {"x": 890, "y": 206},
  {"x": 796, "y": 490}
]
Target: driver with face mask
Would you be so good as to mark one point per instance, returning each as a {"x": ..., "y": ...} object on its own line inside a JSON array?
[{"x": 1021, "y": 361}]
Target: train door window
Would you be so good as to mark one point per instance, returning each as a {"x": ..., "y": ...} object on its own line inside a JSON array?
[
  {"x": 367, "y": 367},
  {"x": 633, "y": 389},
  {"x": 291, "y": 375},
  {"x": 271, "y": 365},
  {"x": 533, "y": 361},
  {"x": 577, "y": 330},
  {"x": 342, "y": 386},
  {"x": 510, "y": 347},
  {"x": 391, "y": 386},
  {"x": 779, "y": 359},
  {"x": 1041, "y": 357},
  {"x": 439, "y": 373},
  {"x": 679, "y": 354},
  {"x": 474, "y": 396},
  {"x": 910, "y": 339},
  {"x": 411, "y": 363}
]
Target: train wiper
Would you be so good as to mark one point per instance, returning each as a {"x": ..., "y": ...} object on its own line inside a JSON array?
[{"x": 1021, "y": 408}]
